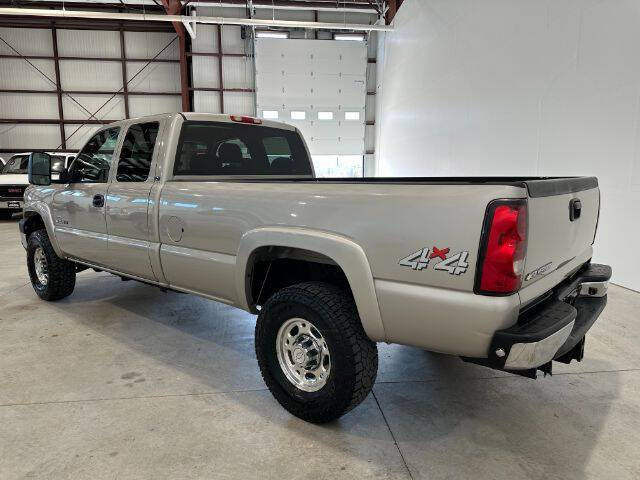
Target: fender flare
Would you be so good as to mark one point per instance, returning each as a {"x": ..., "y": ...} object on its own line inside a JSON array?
[
  {"x": 347, "y": 254},
  {"x": 41, "y": 209}
]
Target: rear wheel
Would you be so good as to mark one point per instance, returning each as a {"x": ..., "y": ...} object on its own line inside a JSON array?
[
  {"x": 313, "y": 353},
  {"x": 6, "y": 214},
  {"x": 52, "y": 277}
]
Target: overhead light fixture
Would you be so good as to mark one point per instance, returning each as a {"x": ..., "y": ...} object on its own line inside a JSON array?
[
  {"x": 271, "y": 34},
  {"x": 358, "y": 37}
]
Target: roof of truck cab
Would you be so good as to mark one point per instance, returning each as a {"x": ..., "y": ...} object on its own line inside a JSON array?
[
  {"x": 205, "y": 117},
  {"x": 220, "y": 117}
]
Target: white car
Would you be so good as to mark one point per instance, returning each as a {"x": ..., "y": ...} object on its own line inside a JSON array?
[{"x": 14, "y": 180}]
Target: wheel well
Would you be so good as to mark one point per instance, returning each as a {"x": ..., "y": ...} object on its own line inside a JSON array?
[
  {"x": 272, "y": 268},
  {"x": 33, "y": 222}
]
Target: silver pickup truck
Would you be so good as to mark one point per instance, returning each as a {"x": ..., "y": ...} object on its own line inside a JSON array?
[{"x": 495, "y": 270}]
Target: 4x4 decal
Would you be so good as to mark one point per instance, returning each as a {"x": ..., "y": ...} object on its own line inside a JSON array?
[{"x": 419, "y": 260}]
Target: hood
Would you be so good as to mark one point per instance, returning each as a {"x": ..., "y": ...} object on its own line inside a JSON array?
[{"x": 14, "y": 179}]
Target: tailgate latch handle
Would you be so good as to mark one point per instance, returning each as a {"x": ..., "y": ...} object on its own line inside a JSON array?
[{"x": 575, "y": 209}]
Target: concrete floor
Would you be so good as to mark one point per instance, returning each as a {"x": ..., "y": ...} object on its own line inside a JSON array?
[{"x": 123, "y": 381}]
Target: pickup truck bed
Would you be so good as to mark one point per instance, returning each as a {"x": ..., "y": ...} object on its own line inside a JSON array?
[{"x": 495, "y": 270}]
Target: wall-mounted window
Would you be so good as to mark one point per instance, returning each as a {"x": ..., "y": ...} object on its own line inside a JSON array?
[
  {"x": 352, "y": 115},
  {"x": 270, "y": 114},
  {"x": 325, "y": 115},
  {"x": 271, "y": 34},
  {"x": 298, "y": 115}
]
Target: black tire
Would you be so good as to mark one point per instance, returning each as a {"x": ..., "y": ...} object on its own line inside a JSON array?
[
  {"x": 6, "y": 214},
  {"x": 354, "y": 358},
  {"x": 61, "y": 273}
]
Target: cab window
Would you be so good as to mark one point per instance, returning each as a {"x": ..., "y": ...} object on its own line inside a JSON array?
[
  {"x": 136, "y": 153},
  {"x": 93, "y": 163},
  {"x": 232, "y": 149}
]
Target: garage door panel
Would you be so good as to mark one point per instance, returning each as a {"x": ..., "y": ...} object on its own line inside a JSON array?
[
  {"x": 351, "y": 129},
  {"x": 319, "y": 76},
  {"x": 325, "y": 146},
  {"x": 269, "y": 88}
]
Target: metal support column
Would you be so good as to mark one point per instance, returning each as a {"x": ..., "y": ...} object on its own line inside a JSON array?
[
  {"x": 125, "y": 88},
  {"x": 219, "y": 30},
  {"x": 54, "y": 42},
  {"x": 174, "y": 7}
]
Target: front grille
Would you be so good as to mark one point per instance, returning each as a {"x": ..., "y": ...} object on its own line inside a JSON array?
[{"x": 12, "y": 191}]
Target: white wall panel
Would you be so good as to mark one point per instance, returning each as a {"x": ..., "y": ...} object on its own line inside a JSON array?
[
  {"x": 231, "y": 40},
  {"x": 90, "y": 75},
  {"x": 239, "y": 103},
  {"x": 205, "y": 72},
  {"x": 18, "y": 74},
  {"x": 206, "y": 40},
  {"x": 207, "y": 102},
  {"x": 520, "y": 88},
  {"x": 140, "y": 106},
  {"x": 154, "y": 77},
  {"x": 27, "y": 41},
  {"x": 148, "y": 44},
  {"x": 77, "y": 135},
  {"x": 237, "y": 72},
  {"x": 102, "y": 106},
  {"x": 28, "y": 105},
  {"x": 315, "y": 76},
  {"x": 29, "y": 136},
  {"x": 88, "y": 43}
]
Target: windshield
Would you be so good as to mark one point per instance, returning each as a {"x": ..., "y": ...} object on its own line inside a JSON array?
[{"x": 17, "y": 164}]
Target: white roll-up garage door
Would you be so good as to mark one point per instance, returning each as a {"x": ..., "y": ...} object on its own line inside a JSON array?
[{"x": 317, "y": 85}]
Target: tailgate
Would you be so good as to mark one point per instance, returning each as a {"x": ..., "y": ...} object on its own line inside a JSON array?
[{"x": 563, "y": 216}]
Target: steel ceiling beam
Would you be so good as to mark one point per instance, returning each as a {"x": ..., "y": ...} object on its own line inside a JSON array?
[{"x": 175, "y": 18}]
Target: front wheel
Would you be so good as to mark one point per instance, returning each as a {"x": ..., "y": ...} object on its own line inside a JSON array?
[
  {"x": 313, "y": 354},
  {"x": 52, "y": 277}
]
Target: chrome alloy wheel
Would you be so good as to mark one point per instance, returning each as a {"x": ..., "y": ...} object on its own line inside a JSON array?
[
  {"x": 41, "y": 266},
  {"x": 303, "y": 354}
]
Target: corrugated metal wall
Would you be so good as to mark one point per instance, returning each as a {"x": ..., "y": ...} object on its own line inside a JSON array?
[{"x": 102, "y": 74}]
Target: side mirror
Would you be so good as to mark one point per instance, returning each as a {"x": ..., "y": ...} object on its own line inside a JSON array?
[{"x": 39, "y": 168}]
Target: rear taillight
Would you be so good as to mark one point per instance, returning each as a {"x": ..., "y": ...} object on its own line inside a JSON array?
[{"x": 503, "y": 248}]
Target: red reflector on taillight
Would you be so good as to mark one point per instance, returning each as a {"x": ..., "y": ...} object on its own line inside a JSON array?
[
  {"x": 503, "y": 248},
  {"x": 245, "y": 119}
]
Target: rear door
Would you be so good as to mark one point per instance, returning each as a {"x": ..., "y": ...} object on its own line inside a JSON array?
[
  {"x": 79, "y": 207},
  {"x": 128, "y": 201},
  {"x": 563, "y": 216}
]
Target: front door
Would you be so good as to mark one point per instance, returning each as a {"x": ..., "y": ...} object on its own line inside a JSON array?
[
  {"x": 79, "y": 206},
  {"x": 128, "y": 202}
]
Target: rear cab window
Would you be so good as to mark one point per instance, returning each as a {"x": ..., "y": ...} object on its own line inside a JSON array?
[{"x": 238, "y": 150}]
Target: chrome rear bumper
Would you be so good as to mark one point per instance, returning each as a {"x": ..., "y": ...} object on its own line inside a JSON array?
[{"x": 554, "y": 329}]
